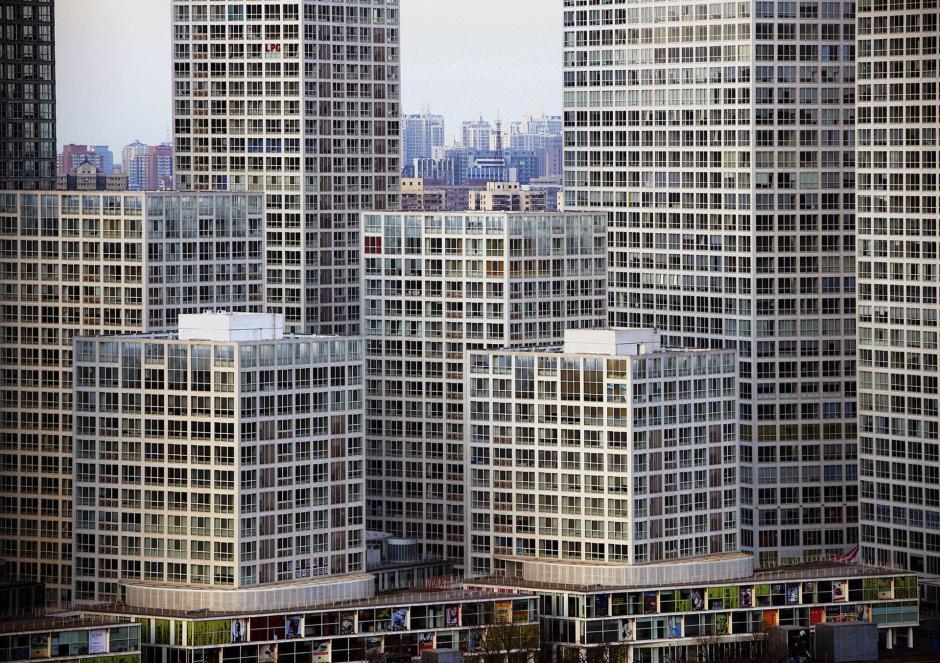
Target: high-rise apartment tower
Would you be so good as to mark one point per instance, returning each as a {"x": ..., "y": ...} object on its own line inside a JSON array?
[
  {"x": 719, "y": 138},
  {"x": 899, "y": 419},
  {"x": 27, "y": 95},
  {"x": 299, "y": 100}
]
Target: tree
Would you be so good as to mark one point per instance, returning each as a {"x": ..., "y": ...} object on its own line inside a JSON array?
[{"x": 509, "y": 642}]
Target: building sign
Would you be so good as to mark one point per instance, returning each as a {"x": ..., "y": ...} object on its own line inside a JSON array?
[
  {"x": 98, "y": 641},
  {"x": 503, "y": 612},
  {"x": 272, "y": 52}
]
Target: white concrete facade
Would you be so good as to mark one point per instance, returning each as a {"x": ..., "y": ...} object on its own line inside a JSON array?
[
  {"x": 719, "y": 139},
  {"x": 898, "y": 312},
  {"x": 610, "y": 452},
  {"x": 436, "y": 286},
  {"x": 91, "y": 263},
  {"x": 216, "y": 464},
  {"x": 301, "y": 101}
]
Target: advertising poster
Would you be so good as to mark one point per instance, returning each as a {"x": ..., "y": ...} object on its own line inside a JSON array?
[
  {"x": 425, "y": 642},
  {"x": 793, "y": 594},
  {"x": 239, "y": 630},
  {"x": 840, "y": 591},
  {"x": 626, "y": 630},
  {"x": 746, "y": 597},
  {"x": 716, "y": 604},
  {"x": 39, "y": 645},
  {"x": 503, "y": 612},
  {"x": 649, "y": 603},
  {"x": 400, "y": 619},
  {"x": 762, "y": 594},
  {"x": 98, "y": 641},
  {"x": 452, "y": 615},
  {"x": 374, "y": 644},
  {"x": 698, "y": 599},
  {"x": 347, "y": 624},
  {"x": 674, "y": 627},
  {"x": 475, "y": 640},
  {"x": 292, "y": 626},
  {"x": 321, "y": 651},
  {"x": 268, "y": 653},
  {"x": 863, "y": 613},
  {"x": 817, "y": 616},
  {"x": 769, "y": 619},
  {"x": 722, "y": 623},
  {"x": 600, "y": 605},
  {"x": 884, "y": 589}
]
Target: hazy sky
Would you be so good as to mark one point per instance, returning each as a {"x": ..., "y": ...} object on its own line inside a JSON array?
[{"x": 459, "y": 56}]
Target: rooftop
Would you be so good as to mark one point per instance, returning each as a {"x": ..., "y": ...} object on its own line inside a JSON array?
[
  {"x": 797, "y": 572},
  {"x": 61, "y": 622},
  {"x": 386, "y": 599},
  {"x": 227, "y": 326}
]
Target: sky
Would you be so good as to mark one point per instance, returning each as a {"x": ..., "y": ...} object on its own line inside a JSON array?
[{"x": 461, "y": 57}]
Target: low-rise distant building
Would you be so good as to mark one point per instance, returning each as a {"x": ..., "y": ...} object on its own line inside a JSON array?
[
  {"x": 506, "y": 197},
  {"x": 89, "y": 177},
  {"x": 417, "y": 197}
]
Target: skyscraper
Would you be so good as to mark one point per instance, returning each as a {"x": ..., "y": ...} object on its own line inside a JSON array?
[
  {"x": 27, "y": 102},
  {"x": 91, "y": 263},
  {"x": 436, "y": 286},
  {"x": 476, "y": 133},
  {"x": 421, "y": 133},
  {"x": 300, "y": 101},
  {"x": 134, "y": 163},
  {"x": 899, "y": 418},
  {"x": 719, "y": 139}
]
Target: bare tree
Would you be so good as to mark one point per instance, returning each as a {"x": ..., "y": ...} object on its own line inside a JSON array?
[{"x": 509, "y": 642}]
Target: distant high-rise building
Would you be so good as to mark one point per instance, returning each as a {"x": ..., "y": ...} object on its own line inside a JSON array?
[
  {"x": 203, "y": 424},
  {"x": 730, "y": 196},
  {"x": 421, "y": 133},
  {"x": 159, "y": 168},
  {"x": 476, "y": 133},
  {"x": 134, "y": 164},
  {"x": 106, "y": 157},
  {"x": 77, "y": 263},
  {"x": 27, "y": 102},
  {"x": 300, "y": 101},
  {"x": 898, "y": 313},
  {"x": 148, "y": 167},
  {"x": 435, "y": 286},
  {"x": 74, "y": 155}
]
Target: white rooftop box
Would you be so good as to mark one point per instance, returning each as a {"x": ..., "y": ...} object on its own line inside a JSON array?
[{"x": 231, "y": 327}]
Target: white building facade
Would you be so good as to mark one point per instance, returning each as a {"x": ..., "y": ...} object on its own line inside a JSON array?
[
  {"x": 437, "y": 286},
  {"x": 95, "y": 263},
  {"x": 298, "y": 100},
  {"x": 899, "y": 419},
  {"x": 719, "y": 140},
  {"x": 226, "y": 456},
  {"x": 613, "y": 451}
]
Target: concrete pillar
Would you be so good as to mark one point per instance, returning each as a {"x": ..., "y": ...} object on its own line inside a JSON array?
[
  {"x": 910, "y": 637},
  {"x": 889, "y": 639}
]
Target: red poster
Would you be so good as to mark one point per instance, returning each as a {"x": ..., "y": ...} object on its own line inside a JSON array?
[
  {"x": 770, "y": 618},
  {"x": 817, "y": 616}
]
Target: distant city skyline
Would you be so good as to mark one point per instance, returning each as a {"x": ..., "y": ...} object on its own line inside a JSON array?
[{"x": 491, "y": 58}]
